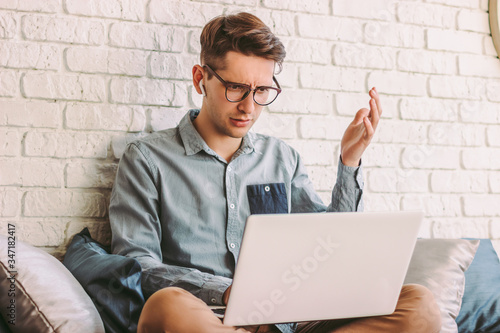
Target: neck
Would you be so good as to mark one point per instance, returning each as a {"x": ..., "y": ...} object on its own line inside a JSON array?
[{"x": 225, "y": 146}]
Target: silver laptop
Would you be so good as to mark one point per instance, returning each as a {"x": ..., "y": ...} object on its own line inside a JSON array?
[{"x": 320, "y": 266}]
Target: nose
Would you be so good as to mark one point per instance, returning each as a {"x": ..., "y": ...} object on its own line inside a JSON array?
[{"x": 247, "y": 105}]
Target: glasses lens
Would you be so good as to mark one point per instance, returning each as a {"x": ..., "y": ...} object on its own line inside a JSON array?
[
  {"x": 262, "y": 96},
  {"x": 236, "y": 92},
  {"x": 265, "y": 95}
]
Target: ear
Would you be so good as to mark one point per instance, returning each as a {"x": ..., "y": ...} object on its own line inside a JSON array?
[{"x": 198, "y": 74}]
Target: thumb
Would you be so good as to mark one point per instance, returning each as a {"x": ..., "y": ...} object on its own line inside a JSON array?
[
  {"x": 225, "y": 296},
  {"x": 362, "y": 113}
]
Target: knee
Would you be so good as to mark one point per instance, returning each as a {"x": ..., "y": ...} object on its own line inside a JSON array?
[
  {"x": 159, "y": 310},
  {"x": 167, "y": 295},
  {"x": 423, "y": 310},
  {"x": 163, "y": 300},
  {"x": 417, "y": 291},
  {"x": 175, "y": 310}
]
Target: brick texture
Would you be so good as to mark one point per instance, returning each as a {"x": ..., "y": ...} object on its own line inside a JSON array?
[
  {"x": 30, "y": 114},
  {"x": 126, "y": 9},
  {"x": 65, "y": 30},
  {"x": 79, "y": 80},
  {"x": 64, "y": 87},
  {"x": 432, "y": 15},
  {"x": 40, "y": 56}
]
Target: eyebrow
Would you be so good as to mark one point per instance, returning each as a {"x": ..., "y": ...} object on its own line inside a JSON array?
[
  {"x": 240, "y": 83},
  {"x": 248, "y": 85}
]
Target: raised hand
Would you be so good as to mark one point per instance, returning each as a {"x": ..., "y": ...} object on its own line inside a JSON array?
[{"x": 360, "y": 131}]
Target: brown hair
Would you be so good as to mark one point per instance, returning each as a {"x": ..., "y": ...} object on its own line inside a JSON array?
[{"x": 244, "y": 33}]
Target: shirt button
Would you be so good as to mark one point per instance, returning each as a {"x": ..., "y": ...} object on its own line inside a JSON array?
[
  {"x": 213, "y": 300},
  {"x": 232, "y": 206},
  {"x": 266, "y": 188},
  {"x": 229, "y": 168},
  {"x": 232, "y": 245}
]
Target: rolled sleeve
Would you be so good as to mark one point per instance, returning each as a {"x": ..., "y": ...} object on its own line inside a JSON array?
[
  {"x": 347, "y": 194},
  {"x": 213, "y": 290},
  {"x": 157, "y": 275}
]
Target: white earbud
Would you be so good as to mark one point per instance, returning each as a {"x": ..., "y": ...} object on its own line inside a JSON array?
[{"x": 202, "y": 88}]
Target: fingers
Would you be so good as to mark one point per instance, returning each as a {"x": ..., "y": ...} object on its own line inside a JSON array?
[
  {"x": 375, "y": 109},
  {"x": 374, "y": 94},
  {"x": 369, "y": 117},
  {"x": 360, "y": 115},
  {"x": 225, "y": 296},
  {"x": 370, "y": 130},
  {"x": 374, "y": 113}
]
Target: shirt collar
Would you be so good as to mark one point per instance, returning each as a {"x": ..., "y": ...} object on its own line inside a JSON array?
[
  {"x": 247, "y": 145},
  {"x": 194, "y": 143}
]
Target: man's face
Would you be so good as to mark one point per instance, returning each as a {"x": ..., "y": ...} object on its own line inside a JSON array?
[{"x": 227, "y": 119}]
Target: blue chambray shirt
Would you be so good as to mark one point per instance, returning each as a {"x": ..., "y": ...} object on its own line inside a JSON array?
[{"x": 180, "y": 209}]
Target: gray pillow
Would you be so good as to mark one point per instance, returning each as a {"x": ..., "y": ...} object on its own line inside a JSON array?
[
  {"x": 439, "y": 265},
  {"x": 46, "y": 296}
]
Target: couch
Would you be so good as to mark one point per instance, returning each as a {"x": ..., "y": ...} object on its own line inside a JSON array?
[{"x": 94, "y": 291}]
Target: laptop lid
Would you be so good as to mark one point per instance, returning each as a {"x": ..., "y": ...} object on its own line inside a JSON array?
[{"x": 320, "y": 266}]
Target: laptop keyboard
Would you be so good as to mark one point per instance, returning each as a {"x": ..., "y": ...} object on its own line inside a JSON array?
[{"x": 219, "y": 312}]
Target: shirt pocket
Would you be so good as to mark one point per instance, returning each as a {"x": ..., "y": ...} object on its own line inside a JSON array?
[{"x": 267, "y": 198}]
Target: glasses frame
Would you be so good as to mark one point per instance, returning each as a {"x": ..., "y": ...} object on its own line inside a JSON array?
[{"x": 227, "y": 83}]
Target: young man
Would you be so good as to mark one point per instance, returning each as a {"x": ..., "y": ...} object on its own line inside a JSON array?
[{"x": 182, "y": 196}]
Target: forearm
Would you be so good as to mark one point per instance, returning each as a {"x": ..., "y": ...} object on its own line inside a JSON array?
[{"x": 157, "y": 275}]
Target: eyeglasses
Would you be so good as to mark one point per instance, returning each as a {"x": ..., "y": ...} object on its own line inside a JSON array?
[{"x": 236, "y": 92}]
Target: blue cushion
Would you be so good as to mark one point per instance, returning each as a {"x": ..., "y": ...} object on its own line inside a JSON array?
[
  {"x": 113, "y": 282},
  {"x": 480, "y": 311}
]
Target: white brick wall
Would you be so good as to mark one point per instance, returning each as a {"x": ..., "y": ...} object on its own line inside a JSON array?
[{"x": 81, "y": 79}]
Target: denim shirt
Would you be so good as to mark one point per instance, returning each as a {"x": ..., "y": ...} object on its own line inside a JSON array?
[{"x": 180, "y": 209}]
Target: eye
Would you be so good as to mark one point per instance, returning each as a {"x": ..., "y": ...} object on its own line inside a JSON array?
[
  {"x": 262, "y": 90},
  {"x": 236, "y": 87}
]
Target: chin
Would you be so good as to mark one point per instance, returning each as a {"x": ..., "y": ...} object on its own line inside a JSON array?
[{"x": 239, "y": 133}]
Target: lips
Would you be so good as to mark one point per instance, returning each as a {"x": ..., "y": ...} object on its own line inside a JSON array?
[{"x": 240, "y": 122}]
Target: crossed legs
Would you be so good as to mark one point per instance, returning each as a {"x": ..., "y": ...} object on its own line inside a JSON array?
[{"x": 174, "y": 310}]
